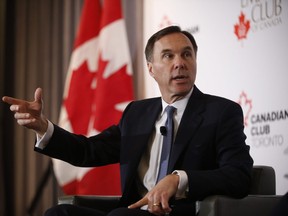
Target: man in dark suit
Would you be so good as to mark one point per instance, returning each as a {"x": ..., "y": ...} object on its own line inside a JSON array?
[{"x": 208, "y": 154}]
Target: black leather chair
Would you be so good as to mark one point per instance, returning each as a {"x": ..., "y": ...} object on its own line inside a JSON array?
[
  {"x": 102, "y": 203},
  {"x": 260, "y": 201}
]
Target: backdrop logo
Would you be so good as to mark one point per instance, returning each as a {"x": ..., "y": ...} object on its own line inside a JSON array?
[
  {"x": 246, "y": 105},
  {"x": 262, "y": 14},
  {"x": 166, "y": 21},
  {"x": 241, "y": 29},
  {"x": 264, "y": 128}
]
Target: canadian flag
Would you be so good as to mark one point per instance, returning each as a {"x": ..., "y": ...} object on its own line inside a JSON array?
[{"x": 98, "y": 87}]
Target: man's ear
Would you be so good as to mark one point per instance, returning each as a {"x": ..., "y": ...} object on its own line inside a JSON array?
[{"x": 150, "y": 69}]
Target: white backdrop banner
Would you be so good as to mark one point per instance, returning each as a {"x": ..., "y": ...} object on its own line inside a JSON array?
[{"x": 243, "y": 56}]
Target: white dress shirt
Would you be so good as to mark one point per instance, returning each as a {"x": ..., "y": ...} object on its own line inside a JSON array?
[{"x": 149, "y": 164}]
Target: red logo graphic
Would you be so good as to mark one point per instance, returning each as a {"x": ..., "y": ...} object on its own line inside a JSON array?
[
  {"x": 165, "y": 22},
  {"x": 241, "y": 29},
  {"x": 246, "y": 105}
]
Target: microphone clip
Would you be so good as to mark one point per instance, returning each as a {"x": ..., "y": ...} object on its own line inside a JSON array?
[{"x": 163, "y": 130}]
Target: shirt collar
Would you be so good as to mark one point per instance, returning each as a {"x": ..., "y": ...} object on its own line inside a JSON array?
[{"x": 180, "y": 105}]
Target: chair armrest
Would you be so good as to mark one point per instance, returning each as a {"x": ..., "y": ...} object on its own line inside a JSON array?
[
  {"x": 251, "y": 205},
  {"x": 102, "y": 203}
]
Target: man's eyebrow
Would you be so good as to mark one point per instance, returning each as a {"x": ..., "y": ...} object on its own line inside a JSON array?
[
  {"x": 166, "y": 50},
  {"x": 188, "y": 48},
  {"x": 184, "y": 49}
]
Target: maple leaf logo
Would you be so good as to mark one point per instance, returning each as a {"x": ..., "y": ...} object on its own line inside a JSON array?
[
  {"x": 246, "y": 105},
  {"x": 165, "y": 22},
  {"x": 241, "y": 29}
]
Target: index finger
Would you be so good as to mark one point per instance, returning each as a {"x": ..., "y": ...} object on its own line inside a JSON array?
[
  {"x": 11, "y": 100},
  {"x": 139, "y": 204}
]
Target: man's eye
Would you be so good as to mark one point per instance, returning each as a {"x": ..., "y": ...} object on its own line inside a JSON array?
[
  {"x": 167, "y": 55},
  {"x": 187, "y": 54}
]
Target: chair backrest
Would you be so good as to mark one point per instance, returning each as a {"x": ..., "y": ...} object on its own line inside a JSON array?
[{"x": 263, "y": 181}]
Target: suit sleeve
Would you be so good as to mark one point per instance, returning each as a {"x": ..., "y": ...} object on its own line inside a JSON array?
[{"x": 82, "y": 151}]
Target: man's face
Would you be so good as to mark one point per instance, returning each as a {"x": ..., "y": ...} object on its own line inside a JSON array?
[{"x": 173, "y": 66}]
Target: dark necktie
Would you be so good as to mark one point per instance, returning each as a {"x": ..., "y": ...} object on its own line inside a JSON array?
[{"x": 167, "y": 143}]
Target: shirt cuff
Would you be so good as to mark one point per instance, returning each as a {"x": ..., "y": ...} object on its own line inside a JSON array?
[
  {"x": 183, "y": 184},
  {"x": 41, "y": 142}
]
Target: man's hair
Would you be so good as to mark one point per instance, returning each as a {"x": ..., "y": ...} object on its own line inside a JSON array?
[{"x": 163, "y": 32}]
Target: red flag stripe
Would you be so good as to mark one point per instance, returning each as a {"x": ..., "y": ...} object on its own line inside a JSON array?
[
  {"x": 111, "y": 12},
  {"x": 89, "y": 25}
]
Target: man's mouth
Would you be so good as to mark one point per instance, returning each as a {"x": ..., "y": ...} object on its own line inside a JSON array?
[{"x": 180, "y": 77}]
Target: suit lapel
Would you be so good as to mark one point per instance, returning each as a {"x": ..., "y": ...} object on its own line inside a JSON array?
[
  {"x": 191, "y": 120},
  {"x": 146, "y": 121},
  {"x": 145, "y": 117},
  {"x": 150, "y": 116}
]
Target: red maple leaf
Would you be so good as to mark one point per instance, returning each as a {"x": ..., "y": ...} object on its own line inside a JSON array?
[
  {"x": 241, "y": 29},
  {"x": 109, "y": 93},
  {"x": 246, "y": 105},
  {"x": 78, "y": 102},
  {"x": 92, "y": 99}
]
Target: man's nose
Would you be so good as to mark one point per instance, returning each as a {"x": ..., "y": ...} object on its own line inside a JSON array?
[{"x": 179, "y": 63}]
